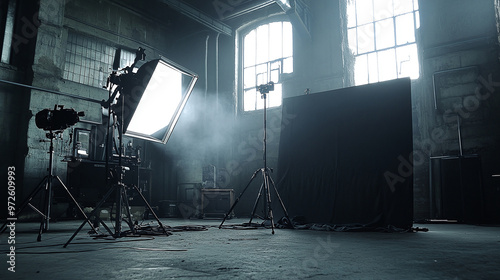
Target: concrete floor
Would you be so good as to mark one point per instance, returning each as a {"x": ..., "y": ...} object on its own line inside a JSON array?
[{"x": 446, "y": 251}]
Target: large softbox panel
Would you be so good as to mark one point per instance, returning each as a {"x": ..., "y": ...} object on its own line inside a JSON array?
[{"x": 345, "y": 156}]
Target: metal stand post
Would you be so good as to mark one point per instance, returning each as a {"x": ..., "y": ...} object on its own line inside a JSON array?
[{"x": 267, "y": 181}]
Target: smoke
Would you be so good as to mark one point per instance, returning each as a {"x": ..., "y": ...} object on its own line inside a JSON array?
[{"x": 202, "y": 130}]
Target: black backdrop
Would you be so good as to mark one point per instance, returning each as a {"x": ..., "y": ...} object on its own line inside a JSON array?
[{"x": 344, "y": 156}]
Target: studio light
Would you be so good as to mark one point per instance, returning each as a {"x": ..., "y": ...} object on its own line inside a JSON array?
[
  {"x": 57, "y": 119},
  {"x": 145, "y": 104},
  {"x": 153, "y": 99}
]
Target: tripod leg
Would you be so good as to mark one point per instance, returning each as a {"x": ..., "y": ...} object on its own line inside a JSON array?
[
  {"x": 27, "y": 201},
  {"x": 37, "y": 211},
  {"x": 281, "y": 202},
  {"x": 76, "y": 203},
  {"x": 110, "y": 191},
  {"x": 151, "y": 210},
  {"x": 268, "y": 198},
  {"x": 256, "y": 203},
  {"x": 45, "y": 220},
  {"x": 127, "y": 207},
  {"x": 118, "y": 211},
  {"x": 238, "y": 198}
]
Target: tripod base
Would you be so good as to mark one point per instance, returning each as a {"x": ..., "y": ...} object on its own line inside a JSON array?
[
  {"x": 265, "y": 190},
  {"x": 121, "y": 197},
  {"x": 46, "y": 185}
]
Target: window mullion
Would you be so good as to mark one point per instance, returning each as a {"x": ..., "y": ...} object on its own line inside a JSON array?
[
  {"x": 368, "y": 68},
  {"x": 256, "y": 43},
  {"x": 374, "y": 35},
  {"x": 395, "y": 46},
  {"x": 357, "y": 42},
  {"x": 373, "y": 11},
  {"x": 394, "y": 30},
  {"x": 356, "y": 16},
  {"x": 282, "y": 47}
]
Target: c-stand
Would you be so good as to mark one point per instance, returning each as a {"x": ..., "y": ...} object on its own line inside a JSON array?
[
  {"x": 115, "y": 178},
  {"x": 267, "y": 180}
]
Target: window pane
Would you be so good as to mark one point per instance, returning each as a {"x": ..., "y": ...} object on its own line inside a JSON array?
[
  {"x": 405, "y": 32},
  {"x": 384, "y": 33},
  {"x": 361, "y": 70},
  {"x": 262, "y": 43},
  {"x": 365, "y": 38},
  {"x": 249, "y": 77},
  {"x": 417, "y": 19},
  {"x": 408, "y": 61},
  {"x": 126, "y": 58},
  {"x": 249, "y": 99},
  {"x": 249, "y": 49},
  {"x": 288, "y": 65},
  {"x": 372, "y": 68},
  {"x": 364, "y": 9},
  {"x": 275, "y": 76},
  {"x": 287, "y": 39},
  {"x": 351, "y": 13},
  {"x": 275, "y": 71},
  {"x": 351, "y": 37},
  {"x": 402, "y": 6},
  {"x": 275, "y": 44},
  {"x": 387, "y": 65},
  {"x": 382, "y": 9},
  {"x": 261, "y": 74},
  {"x": 274, "y": 97},
  {"x": 276, "y": 65}
]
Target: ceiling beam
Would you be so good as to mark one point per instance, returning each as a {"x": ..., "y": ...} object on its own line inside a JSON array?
[{"x": 199, "y": 16}]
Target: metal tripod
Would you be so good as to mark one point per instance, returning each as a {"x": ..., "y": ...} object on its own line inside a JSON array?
[
  {"x": 267, "y": 181},
  {"x": 121, "y": 200},
  {"x": 118, "y": 186},
  {"x": 46, "y": 185}
]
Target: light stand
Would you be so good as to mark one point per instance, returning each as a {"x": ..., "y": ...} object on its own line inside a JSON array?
[
  {"x": 267, "y": 180},
  {"x": 118, "y": 186},
  {"x": 46, "y": 185}
]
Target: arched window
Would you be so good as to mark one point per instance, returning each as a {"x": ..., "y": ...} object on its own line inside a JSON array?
[{"x": 267, "y": 53}]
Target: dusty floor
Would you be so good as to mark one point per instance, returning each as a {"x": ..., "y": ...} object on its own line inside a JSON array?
[{"x": 446, "y": 251}]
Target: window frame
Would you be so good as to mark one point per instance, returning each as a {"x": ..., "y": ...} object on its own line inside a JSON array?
[
  {"x": 80, "y": 48},
  {"x": 376, "y": 51},
  {"x": 239, "y": 59}
]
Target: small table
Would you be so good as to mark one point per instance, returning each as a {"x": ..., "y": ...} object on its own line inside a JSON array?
[{"x": 216, "y": 202}]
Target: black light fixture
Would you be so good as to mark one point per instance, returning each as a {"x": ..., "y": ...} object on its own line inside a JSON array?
[
  {"x": 153, "y": 99},
  {"x": 57, "y": 119}
]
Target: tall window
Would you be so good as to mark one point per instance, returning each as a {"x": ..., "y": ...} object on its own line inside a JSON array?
[
  {"x": 382, "y": 38},
  {"x": 267, "y": 53}
]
